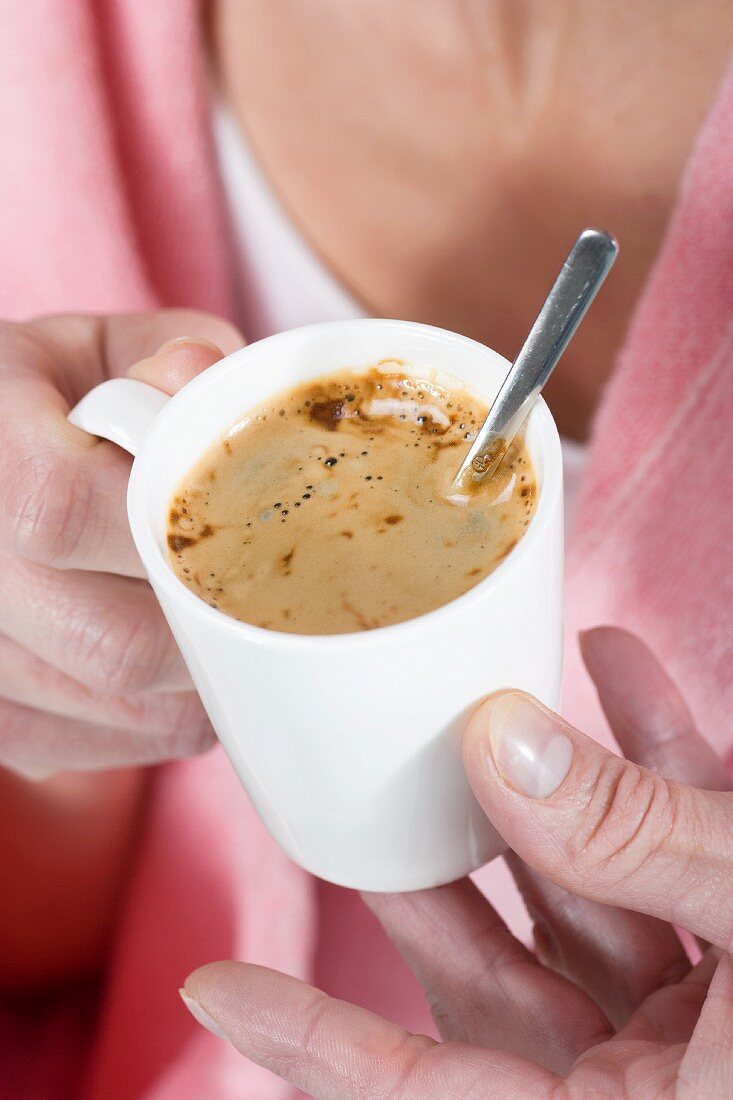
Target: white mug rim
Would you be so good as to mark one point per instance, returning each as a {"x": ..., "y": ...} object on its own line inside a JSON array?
[{"x": 161, "y": 572}]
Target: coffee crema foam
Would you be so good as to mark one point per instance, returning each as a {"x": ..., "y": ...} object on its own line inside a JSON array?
[{"x": 325, "y": 511}]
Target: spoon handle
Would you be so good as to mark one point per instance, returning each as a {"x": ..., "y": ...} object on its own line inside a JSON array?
[{"x": 588, "y": 262}]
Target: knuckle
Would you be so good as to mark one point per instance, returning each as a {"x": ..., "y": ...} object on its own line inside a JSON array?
[
  {"x": 415, "y": 1074},
  {"x": 179, "y": 712},
  {"x": 125, "y": 657},
  {"x": 184, "y": 741},
  {"x": 628, "y": 815},
  {"x": 316, "y": 1021},
  {"x": 49, "y": 509},
  {"x": 313, "y": 1022},
  {"x": 175, "y": 744},
  {"x": 193, "y": 744},
  {"x": 320, "y": 1021}
]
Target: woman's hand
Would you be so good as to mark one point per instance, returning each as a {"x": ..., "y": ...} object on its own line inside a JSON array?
[
  {"x": 90, "y": 676},
  {"x": 610, "y": 1006}
]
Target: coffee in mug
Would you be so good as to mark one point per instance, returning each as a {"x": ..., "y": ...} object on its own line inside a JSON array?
[{"x": 325, "y": 511}]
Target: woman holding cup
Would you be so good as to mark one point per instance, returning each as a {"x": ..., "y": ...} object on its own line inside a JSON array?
[{"x": 92, "y": 678}]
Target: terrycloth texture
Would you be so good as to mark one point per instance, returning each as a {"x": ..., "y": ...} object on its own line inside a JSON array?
[
  {"x": 109, "y": 201},
  {"x": 652, "y": 541}
]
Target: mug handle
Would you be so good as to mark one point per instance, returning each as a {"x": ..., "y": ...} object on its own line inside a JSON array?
[{"x": 121, "y": 410}]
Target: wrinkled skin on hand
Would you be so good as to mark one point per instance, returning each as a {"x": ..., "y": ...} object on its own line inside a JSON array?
[
  {"x": 90, "y": 676},
  {"x": 608, "y": 862}
]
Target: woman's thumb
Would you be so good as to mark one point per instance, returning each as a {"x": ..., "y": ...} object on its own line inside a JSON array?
[{"x": 599, "y": 825}]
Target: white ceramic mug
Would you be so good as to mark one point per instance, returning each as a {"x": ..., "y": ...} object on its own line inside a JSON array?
[{"x": 349, "y": 745}]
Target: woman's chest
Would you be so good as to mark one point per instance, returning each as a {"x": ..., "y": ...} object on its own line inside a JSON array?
[{"x": 442, "y": 159}]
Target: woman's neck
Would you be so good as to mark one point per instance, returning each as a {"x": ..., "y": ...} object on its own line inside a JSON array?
[{"x": 442, "y": 159}]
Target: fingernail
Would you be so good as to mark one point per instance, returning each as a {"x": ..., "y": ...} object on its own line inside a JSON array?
[
  {"x": 181, "y": 341},
  {"x": 201, "y": 1015},
  {"x": 530, "y": 751}
]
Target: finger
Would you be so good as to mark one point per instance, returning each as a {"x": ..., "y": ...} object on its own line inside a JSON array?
[
  {"x": 335, "y": 1051},
  {"x": 483, "y": 986},
  {"x": 29, "y": 681},
  {"x": 646, "y": 712},
  {"x": 81, "y": 350},
  {"x": 670, "y": 1015},
  {"x": 132, "y": 337},
  {"x": 62, "y": 492},
  {"x": 104, "y": 631},
  {"x": 598, "y": 825},
  {"x": 37, "y": 745},
  {"x": 175, "y": 364},
  {"x": 616, "y": 956},
  {"x": 707, "y": 1066},
  {"x": 648, "y": 715}
]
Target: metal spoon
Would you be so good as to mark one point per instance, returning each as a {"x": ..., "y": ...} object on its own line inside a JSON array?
[{"x": 588, "y": 262}]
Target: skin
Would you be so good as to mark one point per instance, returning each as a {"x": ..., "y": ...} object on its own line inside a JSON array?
[
  {"x": 442, "y": 155},
  {"x": 609, "y": 1005},
  {"x": 90, "y": 677}
]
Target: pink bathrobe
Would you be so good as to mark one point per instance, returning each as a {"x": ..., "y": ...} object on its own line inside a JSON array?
[{"x": 109, "y": 201}]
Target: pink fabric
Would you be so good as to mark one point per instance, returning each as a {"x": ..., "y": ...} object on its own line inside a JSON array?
[
  {"x": 109, "y": 201},
  {"x": 652, "y": 544}
]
